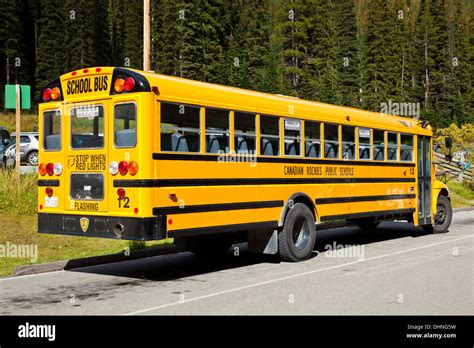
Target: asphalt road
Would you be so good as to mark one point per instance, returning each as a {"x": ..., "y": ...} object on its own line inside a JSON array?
[{"x": 403, "y": 271}]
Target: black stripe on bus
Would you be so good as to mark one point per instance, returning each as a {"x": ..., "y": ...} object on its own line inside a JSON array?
[
  {"x": 43, "y": 182},
  {"x": 251, "y": 181},
  {"x": 363, "y": 198},
  {"x": 316, "y": 161},
  {"x": 223, "y": 229},
  {"x": 216, "y": 207},
  {"x": 372, "y": 214}
]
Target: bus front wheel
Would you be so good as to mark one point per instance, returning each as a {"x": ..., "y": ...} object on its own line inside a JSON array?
[
  {"x": 442, "y": 218},
  {"x": 296, "y": 240}
]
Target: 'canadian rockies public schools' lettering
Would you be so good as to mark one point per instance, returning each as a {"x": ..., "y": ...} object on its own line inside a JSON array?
[{"x": 318, "y": 170}]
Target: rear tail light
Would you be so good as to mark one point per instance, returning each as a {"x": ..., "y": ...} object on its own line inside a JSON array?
[
  {"x": 49, "y": 191},
  {"x": 129, "y": 84},
  {"x": 50, "y": 169},
  {"x": 47, "y": 94},
  {"x": 42, "y": 169},
  {"x": 55, "y": 93},
  {"x": 132, "y": 167},
  {"x": 121, "y": 192},
  {"x": 119, "y": 85},
  {"x": 113, "y": 168},
  {"x": 58, "y": 168},
  {"x": 123, "y": 167}
]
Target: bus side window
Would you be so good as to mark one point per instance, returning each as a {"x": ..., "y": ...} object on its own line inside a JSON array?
[
  {"x": 244, "y": 132},
  {"x": 364, "y": 143},
  {"x": 331, "y": 140},
  {"x": 406, "y": 148},
  {"x": 270, "y": 135},
  {"x": 180, "y": 128},
  {"x": 52, "y": 130},
  {"x": 312, "y": 139},
  {"x": 392, "y": 152},
  {"x": 292, "y": 137},
  {"x": 379, "y": 145},
  {"x": 125, "y": 125},
  {"x": 217, "y": 131},
  {"x": 348, "y": 142}
]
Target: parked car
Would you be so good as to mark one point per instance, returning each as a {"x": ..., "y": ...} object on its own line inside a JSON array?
[
  {"x": 5, "y": 142},
  {"x": 28, "y": 147},
  {"x": 9, "y": 158}
]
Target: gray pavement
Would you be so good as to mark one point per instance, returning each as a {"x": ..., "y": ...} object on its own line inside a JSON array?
[{"x": 396, "y": 269}]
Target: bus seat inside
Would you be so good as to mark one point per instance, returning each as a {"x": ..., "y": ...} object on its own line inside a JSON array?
[
  {"x": 241, "y": 145},
  {"x": 213, "y": 144},
  {"x": 125, "y": 137},
  {"x": 378, "y": 153},
  {"x": 290, "y": 149},
  {"x": 267, "y": 148},
  {"x": 53, "y": 141},
  {"x": 364, "y": 153},
  {"x": 313, "y": 149},
  {"x": 174, "y": 142},
  {"x": 330, "y": 150}
]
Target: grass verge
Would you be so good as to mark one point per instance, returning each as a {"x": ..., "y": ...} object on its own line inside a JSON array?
[
  {"x": 18, "y": 230},
  {"x": 18, "y": 226},
  {"x": 28, "y": 122},
  {"x": 462, "y": 194}
]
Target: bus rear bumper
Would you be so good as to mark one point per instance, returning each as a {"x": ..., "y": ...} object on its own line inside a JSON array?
[{"x": 102, "y": 226}]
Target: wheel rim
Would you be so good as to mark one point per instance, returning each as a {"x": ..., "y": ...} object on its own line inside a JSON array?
[
  {"x": 300, "y": 233},
  {"x": 34, "y": 158},
  {"x": 441, "y": 213}
]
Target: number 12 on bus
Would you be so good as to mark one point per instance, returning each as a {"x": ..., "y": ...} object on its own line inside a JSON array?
[{"x": 133, "y": 155}]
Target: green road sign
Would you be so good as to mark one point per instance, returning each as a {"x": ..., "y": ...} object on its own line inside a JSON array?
[{"x": 10, "y": 97}]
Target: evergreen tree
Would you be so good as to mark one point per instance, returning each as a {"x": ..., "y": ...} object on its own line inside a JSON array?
[
  {"x": 102, "y": 44},
  {"x": 116, "y": 30},
  {"x": 382, "y": 60},
  {"x": 78, "y": 33},
  {"x": 434, "y": 62},
  {"x": 347, "y": 56},
  {"x": 132, "y": 28},
  {"x": 50, "y": 56}
]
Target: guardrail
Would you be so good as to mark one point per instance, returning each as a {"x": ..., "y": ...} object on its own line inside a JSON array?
[{"x": 450, "y": 170}]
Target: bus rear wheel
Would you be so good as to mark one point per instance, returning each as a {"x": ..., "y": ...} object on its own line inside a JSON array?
[
  {"x": 296, "y": 240},
  {"x": 442, "y": 218}
]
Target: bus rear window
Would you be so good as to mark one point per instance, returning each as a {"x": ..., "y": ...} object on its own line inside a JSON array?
[
  {"x": 125, "y": 125},
  {"x": 52, "y": 130},
  {"x": 87, "y": 127}
]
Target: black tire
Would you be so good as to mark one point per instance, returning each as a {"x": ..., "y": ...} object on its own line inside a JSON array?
[
  {"x": 32, "y": 158},
  {"x": 368, "y": 225},
  {"x": 209, "y": 246},
  {"x": 442, "y": 218},
  {"x": 296, "y": 240}
]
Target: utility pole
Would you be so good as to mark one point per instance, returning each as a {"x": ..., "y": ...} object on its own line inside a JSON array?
[
  {"x": 146, "y": 35},
  {"x": 17, "y": 133}
]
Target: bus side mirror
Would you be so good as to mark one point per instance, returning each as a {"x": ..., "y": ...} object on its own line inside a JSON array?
[
  {"x": 6, "y": 142},
  {"x": 448, "y": 142}
]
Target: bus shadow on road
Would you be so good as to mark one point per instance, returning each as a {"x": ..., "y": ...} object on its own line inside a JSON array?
[
  {"x": 179, "y": 266},
  {"x": 353, "y": 235}
]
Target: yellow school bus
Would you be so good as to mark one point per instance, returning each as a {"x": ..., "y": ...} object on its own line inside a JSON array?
[{"x": 135, "y": 155}]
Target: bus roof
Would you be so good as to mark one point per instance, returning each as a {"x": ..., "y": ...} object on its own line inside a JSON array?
[
  {"x": 208, "y": 94},
  {"x": 176, "y": 89}
]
